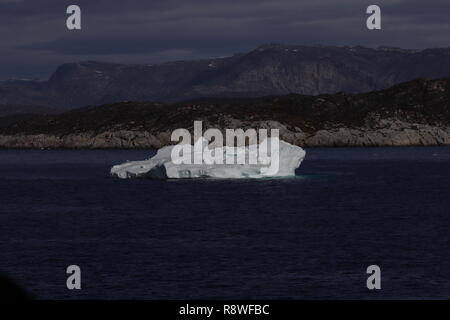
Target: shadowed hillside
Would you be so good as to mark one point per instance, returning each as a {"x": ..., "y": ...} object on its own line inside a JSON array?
[
  {"x": 412, "y": 113},
  {"x": 267, "y": 70}
]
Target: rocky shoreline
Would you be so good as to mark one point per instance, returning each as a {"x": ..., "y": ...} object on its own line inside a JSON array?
[
  {"x": 415, "y": 113},
  {"x": 400, "y": 136}
]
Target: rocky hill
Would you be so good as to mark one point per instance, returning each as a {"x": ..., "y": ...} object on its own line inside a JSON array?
[
  {"x": 411, "y": 113},
  {"x": 267, "y": 70}
]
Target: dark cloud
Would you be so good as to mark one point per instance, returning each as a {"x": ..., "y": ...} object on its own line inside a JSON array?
[{"x": 35, "y": 40}]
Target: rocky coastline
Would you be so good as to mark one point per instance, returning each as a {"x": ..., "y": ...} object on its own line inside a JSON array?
[
  {"x": 416, "y": 113},
  {"x": 399, "y": 135}
]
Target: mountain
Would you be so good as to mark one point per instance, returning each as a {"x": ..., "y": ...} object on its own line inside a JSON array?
[
  {"x": 268, "y": 70},
  {"x": 411, "y": 113}
]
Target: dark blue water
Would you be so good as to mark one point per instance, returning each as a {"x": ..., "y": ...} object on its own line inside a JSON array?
[{"x": 312, "y": 236}]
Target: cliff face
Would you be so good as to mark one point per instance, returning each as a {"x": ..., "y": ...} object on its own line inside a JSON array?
[
  {"x": 267, "y": 70},
  {"x": 412, "y": 113}
]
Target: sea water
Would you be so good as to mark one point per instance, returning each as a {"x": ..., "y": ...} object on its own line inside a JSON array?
[{"x": 311, "y": 236}]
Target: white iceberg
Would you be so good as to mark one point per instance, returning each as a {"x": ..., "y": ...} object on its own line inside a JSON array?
[{"x": 288, "y": 156}]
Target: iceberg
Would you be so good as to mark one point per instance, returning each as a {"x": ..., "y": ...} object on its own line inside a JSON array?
[{"x": 288, "y": 157}]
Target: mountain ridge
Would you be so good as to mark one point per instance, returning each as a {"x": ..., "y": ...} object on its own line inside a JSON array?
[{"x": 270, "y": 69}]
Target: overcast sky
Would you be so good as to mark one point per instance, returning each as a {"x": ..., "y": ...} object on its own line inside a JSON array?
[{"x": 35, "y": 40}]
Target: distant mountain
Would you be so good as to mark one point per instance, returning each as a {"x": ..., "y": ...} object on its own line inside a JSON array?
[
  {"x": 412, "y": 113},
  {"x": 267, "y": 70}
]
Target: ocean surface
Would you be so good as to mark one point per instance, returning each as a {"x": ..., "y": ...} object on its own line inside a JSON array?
[{"x": 308, "y": 237}]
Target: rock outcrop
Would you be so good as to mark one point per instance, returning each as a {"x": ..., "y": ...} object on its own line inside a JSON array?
[
  {"x": 407, "y": 135},
  {"x": 415, "y": 113}
]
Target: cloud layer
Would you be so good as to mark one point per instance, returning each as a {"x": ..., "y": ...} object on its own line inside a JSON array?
[{"x": 35, "y": 39}]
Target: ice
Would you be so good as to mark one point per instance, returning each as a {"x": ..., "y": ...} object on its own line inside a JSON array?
[{"x": 161, "y": 165}]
